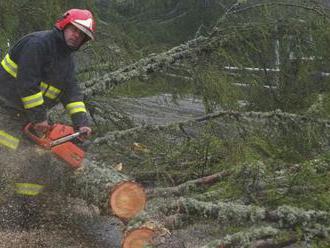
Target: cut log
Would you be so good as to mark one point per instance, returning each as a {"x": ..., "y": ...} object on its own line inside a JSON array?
[
  {"x": 138, "y": 238},
  {"x": 111, "y": 191},
  {"x": 127, "y": 199}
]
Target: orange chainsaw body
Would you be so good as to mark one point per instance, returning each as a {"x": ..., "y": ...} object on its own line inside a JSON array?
[{"x": 67, "y": 151}]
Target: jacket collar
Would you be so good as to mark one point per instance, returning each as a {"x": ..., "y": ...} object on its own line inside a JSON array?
[{"x": 59, "y": 36}]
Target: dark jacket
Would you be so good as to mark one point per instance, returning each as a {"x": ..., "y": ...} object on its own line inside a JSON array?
[{"x": 37, "y": 73}]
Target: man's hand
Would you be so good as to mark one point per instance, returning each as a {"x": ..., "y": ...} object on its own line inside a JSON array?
[
  {"x": 86, "y": 132},
  {"x": 41, "y": 127}
]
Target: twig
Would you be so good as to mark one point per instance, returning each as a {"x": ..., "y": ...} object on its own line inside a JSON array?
[{"x": 187, "y": 186}]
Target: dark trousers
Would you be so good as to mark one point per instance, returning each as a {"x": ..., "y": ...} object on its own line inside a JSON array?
[{"x": 17, "y": 211}]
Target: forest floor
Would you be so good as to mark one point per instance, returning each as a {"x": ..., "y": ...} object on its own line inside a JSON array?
[{"x": 56, "y": 221}]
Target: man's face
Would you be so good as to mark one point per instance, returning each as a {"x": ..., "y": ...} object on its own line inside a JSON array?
[{"x": 73, "y": 36}]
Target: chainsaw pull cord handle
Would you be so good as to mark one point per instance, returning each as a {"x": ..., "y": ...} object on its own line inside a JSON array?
[{"x": 32, "y": 135}]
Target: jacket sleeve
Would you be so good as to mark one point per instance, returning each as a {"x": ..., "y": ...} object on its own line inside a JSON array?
[
  {"x": 29, "y": 76},
  {"x": 72, "y": 99}
]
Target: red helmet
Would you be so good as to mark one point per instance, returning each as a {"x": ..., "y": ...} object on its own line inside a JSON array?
[{"x": 81, "y": 18}]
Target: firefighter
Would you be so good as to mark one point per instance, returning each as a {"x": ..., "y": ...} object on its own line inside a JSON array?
[
  {"x": 38, "y": 71},
  {"x": 35, "y": 75}
]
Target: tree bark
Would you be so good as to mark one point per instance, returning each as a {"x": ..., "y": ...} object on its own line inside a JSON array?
[
  {"x": 111, "y": 191},
  {"x": 250, "y": 238},
  {"x": 223, "y": 212}
]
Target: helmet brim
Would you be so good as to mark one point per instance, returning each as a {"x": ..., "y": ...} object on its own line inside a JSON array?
[{"x": 84, "y": 30}]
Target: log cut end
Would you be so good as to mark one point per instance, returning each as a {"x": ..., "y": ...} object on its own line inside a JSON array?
[
  {"x": 138, "y": 238},
  {"x": 127, "y": 199}
]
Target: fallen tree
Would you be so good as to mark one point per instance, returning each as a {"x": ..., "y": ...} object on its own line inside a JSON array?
[
  {"x": 191, "y": 49},
  {"x": 223, "y": 212},
  {"x": 229, "y": 124},
  {"x": 111, "y": 191}
]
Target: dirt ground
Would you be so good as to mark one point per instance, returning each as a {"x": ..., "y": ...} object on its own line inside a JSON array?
[
  {"x": 56, "y": 221},
  {"x": 51, "y": 219}
]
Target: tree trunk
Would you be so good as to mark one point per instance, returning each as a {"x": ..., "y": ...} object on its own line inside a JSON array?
[
  {"x": 223, "y": 212},
  {"x": 113, "y": 192}
]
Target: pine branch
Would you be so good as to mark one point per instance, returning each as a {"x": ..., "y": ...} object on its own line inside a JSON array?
[
  {"x": 229, "y": 212},
  {"x": 316, "y": 9},
  {"x": 261, "y": 237},
  {"x": 187, "y": 186},
  {"x": 276, "y": 119}
]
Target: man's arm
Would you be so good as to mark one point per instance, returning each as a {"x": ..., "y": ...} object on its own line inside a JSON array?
[
  {"x": 29, "y": 71},
  {"x": 72, "y": 99}
]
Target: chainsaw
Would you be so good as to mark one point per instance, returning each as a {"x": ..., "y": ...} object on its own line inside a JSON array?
[{"x": 58, "y": 139}]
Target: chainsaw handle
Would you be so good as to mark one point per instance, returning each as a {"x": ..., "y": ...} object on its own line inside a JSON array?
[{"x": 39, "y": 140}]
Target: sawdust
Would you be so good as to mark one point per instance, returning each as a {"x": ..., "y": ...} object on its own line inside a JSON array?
[
  {"x": 51, "y": 219},
  {"x": 54, "y": 220},
  {"x": 43, "y": 238}
]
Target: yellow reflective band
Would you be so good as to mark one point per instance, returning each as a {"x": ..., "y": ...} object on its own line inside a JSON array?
[
  {"x": 9, "y": 65},
  {"x": 33, "y": 100},
  {"x": 49, "y": 91},
  {"x": 75, "y": 107},
  {"x": 8, "y": 140},
  {"x": 30, "y": 189},
  {"x": 43, "y": 87}
]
